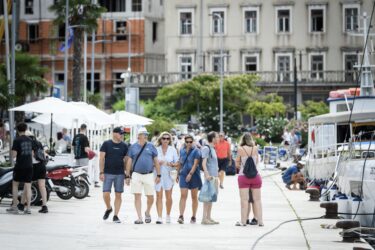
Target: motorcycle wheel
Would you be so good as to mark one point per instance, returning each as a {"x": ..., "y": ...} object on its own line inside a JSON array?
[
  {"x": 84, "y": 190},
  {"x": 69, "y": 194},
  {"x": 36, "y": 196}
]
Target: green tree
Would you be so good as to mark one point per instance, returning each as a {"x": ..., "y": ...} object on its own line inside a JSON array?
[
  {"x": 119, "y": 106},
  {"x": 83, "y": 14},
  {"x": 312, "y": 108},
  {"x": 160, "y": 124},
  {"x": 153, "y": 109},
  {"x": 201, "y": 96},
  {"x": 267, "y": 106},
  {"x": 29, "y": 81},
  {"x": 272, "y": 128},
  {"x": 95, "y": 99}
]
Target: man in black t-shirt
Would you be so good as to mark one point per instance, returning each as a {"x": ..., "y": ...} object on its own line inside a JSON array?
[
  {"x": 23, "y": 151},
  {"x": 112, "y": 171},
  {"x": 81, "y": 147}
]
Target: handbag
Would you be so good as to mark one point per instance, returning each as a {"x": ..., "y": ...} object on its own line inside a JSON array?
[
  {"x": 250, "y": 169},
  {"x": 208, "y": 191},
  {"x": 173, "y": 173}
]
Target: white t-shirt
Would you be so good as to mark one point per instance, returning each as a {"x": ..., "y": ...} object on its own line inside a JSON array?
[{"x": 170, "y": 156}]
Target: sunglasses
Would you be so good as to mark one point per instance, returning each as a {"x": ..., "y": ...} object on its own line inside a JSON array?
[
  {"x": 188, "y": 142},
  {"x": 165, "y": 138}
]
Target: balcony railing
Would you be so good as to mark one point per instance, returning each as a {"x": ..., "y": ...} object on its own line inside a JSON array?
[{"x": 266, "y": 78}]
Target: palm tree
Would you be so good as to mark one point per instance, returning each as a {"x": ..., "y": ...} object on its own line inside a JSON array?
[
  {"x": 29, "y": 82},
  {"x": 83, "y": 15}
]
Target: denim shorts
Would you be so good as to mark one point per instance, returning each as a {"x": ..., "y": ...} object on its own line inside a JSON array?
[{"x": 117, "y": 180}]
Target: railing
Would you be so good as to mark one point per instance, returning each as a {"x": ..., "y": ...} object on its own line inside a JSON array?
[{"x": 266, "y": 78}]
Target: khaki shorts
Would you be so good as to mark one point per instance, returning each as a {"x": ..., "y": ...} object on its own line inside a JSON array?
[{"x": 141, "y": 182}]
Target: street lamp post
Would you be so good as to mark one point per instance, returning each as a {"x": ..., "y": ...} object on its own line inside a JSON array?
[
  {"x": 127, "y": 88},
  {"x": 221, "y": 29},
  {"x": 66, "y": 50}
]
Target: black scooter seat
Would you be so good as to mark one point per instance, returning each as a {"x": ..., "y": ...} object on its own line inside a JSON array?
[
  {"x": 52, "y": 168},
  {"x": 3, "y": 171}
]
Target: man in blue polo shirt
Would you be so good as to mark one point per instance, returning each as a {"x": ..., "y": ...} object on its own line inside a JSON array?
[
  {"x": 293, "y": 176},
  {"x": 141, "y": 163}
]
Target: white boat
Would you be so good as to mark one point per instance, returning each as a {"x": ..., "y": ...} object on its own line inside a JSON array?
[{"x": 342, "y": 146}]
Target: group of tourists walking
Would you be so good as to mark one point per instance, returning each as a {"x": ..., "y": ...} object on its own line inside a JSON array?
[{"x": 154, "y": 168}]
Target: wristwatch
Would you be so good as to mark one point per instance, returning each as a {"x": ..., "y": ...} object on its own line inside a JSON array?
[{"x": 159, "y": 175}]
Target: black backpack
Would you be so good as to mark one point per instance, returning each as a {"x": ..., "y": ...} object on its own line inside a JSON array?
[
  {"x": 250, "y": 169},
  {"x": 39, "y": 154}
]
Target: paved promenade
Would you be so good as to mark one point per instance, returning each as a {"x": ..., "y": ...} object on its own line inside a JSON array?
[{"x": 77, "y": 224}]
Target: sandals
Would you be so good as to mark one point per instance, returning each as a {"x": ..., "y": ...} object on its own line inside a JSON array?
[
  {"x": 239, "y": 224},
  {"x": 253, "y": 222},
  {"x": 138, "y": 222},
  {"x": 147, "y": 218},
  {"x": 181, "y": 219}
]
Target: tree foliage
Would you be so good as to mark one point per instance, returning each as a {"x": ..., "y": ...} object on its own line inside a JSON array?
[
  {"x": 83, "y": 14},
  {"x": 201, "y": 97},
  {"x": 119, "y": 105},
  {"x": 267, "y": 106},
  {"x": 272, "y": 128},
  {"x": 160, "y": 124},
  {"x": 312, "y": 108}
]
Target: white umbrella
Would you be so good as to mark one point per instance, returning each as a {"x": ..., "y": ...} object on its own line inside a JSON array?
[
  {"x": 129, "y": 119},
  {"x": 96, "y": 115}
]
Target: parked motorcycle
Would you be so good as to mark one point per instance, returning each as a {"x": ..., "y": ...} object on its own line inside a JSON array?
[
  {"x": 82, "y": 182},
  {"x": 60, "y": 180},
  {"x": 6, "y": 178}
]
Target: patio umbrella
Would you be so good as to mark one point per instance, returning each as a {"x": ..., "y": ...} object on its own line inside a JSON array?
[
  {"x": 51, "y": 106},
  {"x": 129, "y": 119}
]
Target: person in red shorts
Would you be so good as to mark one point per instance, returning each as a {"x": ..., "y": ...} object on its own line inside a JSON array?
[
  {"x": 250, "y": 188},
  {"x": 224, "y": 156}
]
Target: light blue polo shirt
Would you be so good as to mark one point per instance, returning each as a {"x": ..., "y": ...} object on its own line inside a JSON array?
[{"x": 145, "y": 163}]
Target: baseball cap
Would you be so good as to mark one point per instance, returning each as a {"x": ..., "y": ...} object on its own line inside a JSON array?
[
  {"x": 118, "y": 130},
  {"x": 142, "y": 131}
]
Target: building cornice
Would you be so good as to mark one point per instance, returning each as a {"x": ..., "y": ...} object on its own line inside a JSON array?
[
  {"x": 350, "y": 49},
  {"x": 283, "y": 3},
  {"x": 316, "y": 49},
  {"x": 186, "y": 51},
  {"x": 250, "y": 50},
  {"x": 252, "y": 4},
  {"x": 218, "y": 5},
  {"x": 283, "y": 50},
  {"x": 317, "y": 3},
  {"x": 186, "y": 6},
  {"x": 342, "y": 2}
]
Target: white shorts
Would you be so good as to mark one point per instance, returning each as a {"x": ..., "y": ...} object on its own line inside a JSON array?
[{"x": 142, "y": 181}]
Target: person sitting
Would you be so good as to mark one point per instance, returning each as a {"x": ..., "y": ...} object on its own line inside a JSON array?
[
  {"x": 61, "y": 144},
  {"x": 294, "y": 176}
]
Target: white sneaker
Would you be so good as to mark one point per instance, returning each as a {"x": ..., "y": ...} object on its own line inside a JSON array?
[
  {"x": 12, "y": 210},
  {"x": 168, "y": 219},
  {"x": 159, "y": 221}
]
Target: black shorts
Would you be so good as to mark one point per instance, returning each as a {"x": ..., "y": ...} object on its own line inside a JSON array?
[
  {"x": 39, "y": 171},
  {"x": 223, "y": 164},
  {"x": 23, "y": 174}
]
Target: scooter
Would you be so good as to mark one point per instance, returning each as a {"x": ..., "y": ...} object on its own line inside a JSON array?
[
  {"x": 82, "y": 182},
  {"x": 60, "y": 180},
  {"x": 6, "y": 178}
]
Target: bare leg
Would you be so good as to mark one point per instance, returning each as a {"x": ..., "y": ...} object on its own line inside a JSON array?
[
  {"x": 138, "y": 205},
  {"x": 168, "y": 203},
  {"x": 245, "y": 206},
  {"x": 27, "y": 189},
  {"x": 118, "y": 201},
  {"x": 159, "y": 203},
  {"x": 43, "y": 191},
  {"x": 257, "y": 205},
  {"x": 107, "y": 199},
  {"x": 15, "y": 185},
  {"x": 150, "y": 201},
  {"x": 184, "y": 194},
  {"x": 221, "y": 177},
  {"x": 194, "y": 199}
]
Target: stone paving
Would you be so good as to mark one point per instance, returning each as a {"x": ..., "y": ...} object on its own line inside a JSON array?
[{"x": 77, "y": 224}]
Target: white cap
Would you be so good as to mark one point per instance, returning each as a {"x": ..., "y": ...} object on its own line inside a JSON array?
[{"x": 142, "y": 131}]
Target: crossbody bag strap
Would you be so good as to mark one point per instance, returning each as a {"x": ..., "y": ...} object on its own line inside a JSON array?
[
  {"x": 139, "y": 154},
  {"x": 187, "y": 157}
]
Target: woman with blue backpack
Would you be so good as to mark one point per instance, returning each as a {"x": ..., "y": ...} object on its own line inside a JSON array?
[
  {"x": 249, "y": 181},
  {"x": 189, "y": 177}
]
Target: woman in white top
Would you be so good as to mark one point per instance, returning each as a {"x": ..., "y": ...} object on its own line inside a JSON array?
[
  {"x": 250, "y": 188},
  {"x": 168, "y": 160}
]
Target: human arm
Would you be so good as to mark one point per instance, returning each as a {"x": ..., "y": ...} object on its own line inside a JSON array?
[
  {"x": 193, "y": 169},
  {"x": 157, "y": 167},
  {"x": 238, "y": 158},
  {"x": 101, "y": 165},
  {"x": 229, "y": 154},
  {"x": 129, "y": 163},
  {"x": 256, "y": 155}
]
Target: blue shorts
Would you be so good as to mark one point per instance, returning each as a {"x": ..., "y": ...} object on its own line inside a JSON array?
[
  {"x": 195, "y": 181},
  {"x": 117, "y": 180}
]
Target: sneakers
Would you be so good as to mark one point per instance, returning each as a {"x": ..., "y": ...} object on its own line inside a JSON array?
[
  {"x": 12, "y": 210},
  {"x": 147, "y": 218},
  {"x": 43, "y": 210},
  {"x": 97, "y": 185},
  {"x": 221, "y": 186},
  {"x": 159, "y": 221},
  {"x": 21, "y": 207},
  {"x": 214, "y": 222},
  {"x": 116, "y": 219},
  {"x": 27, "y": 211},
  {"x": 193, "y": 220},
  {"x": 107, "y": 213},
  {"x": 180, "y": 219},
  {"x": 253, "y": 222},
  {"x": 168, "y": 219},
  {"x": 138, "y": 222}
]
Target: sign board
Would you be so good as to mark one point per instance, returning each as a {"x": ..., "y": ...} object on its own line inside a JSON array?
[{"x": 270, "y": 156}]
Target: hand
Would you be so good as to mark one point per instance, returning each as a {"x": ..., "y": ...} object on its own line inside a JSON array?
[
  {"x": 157, "y": 180},
  {"x": 162, "y": 163},
  {"x": 188, "y": 177},
  {"x": 127, "y": 181},
  {"x": 207, "y": 176},
  {"x": 101, "y": 177},
  {"x": 177, "y": 179}
]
